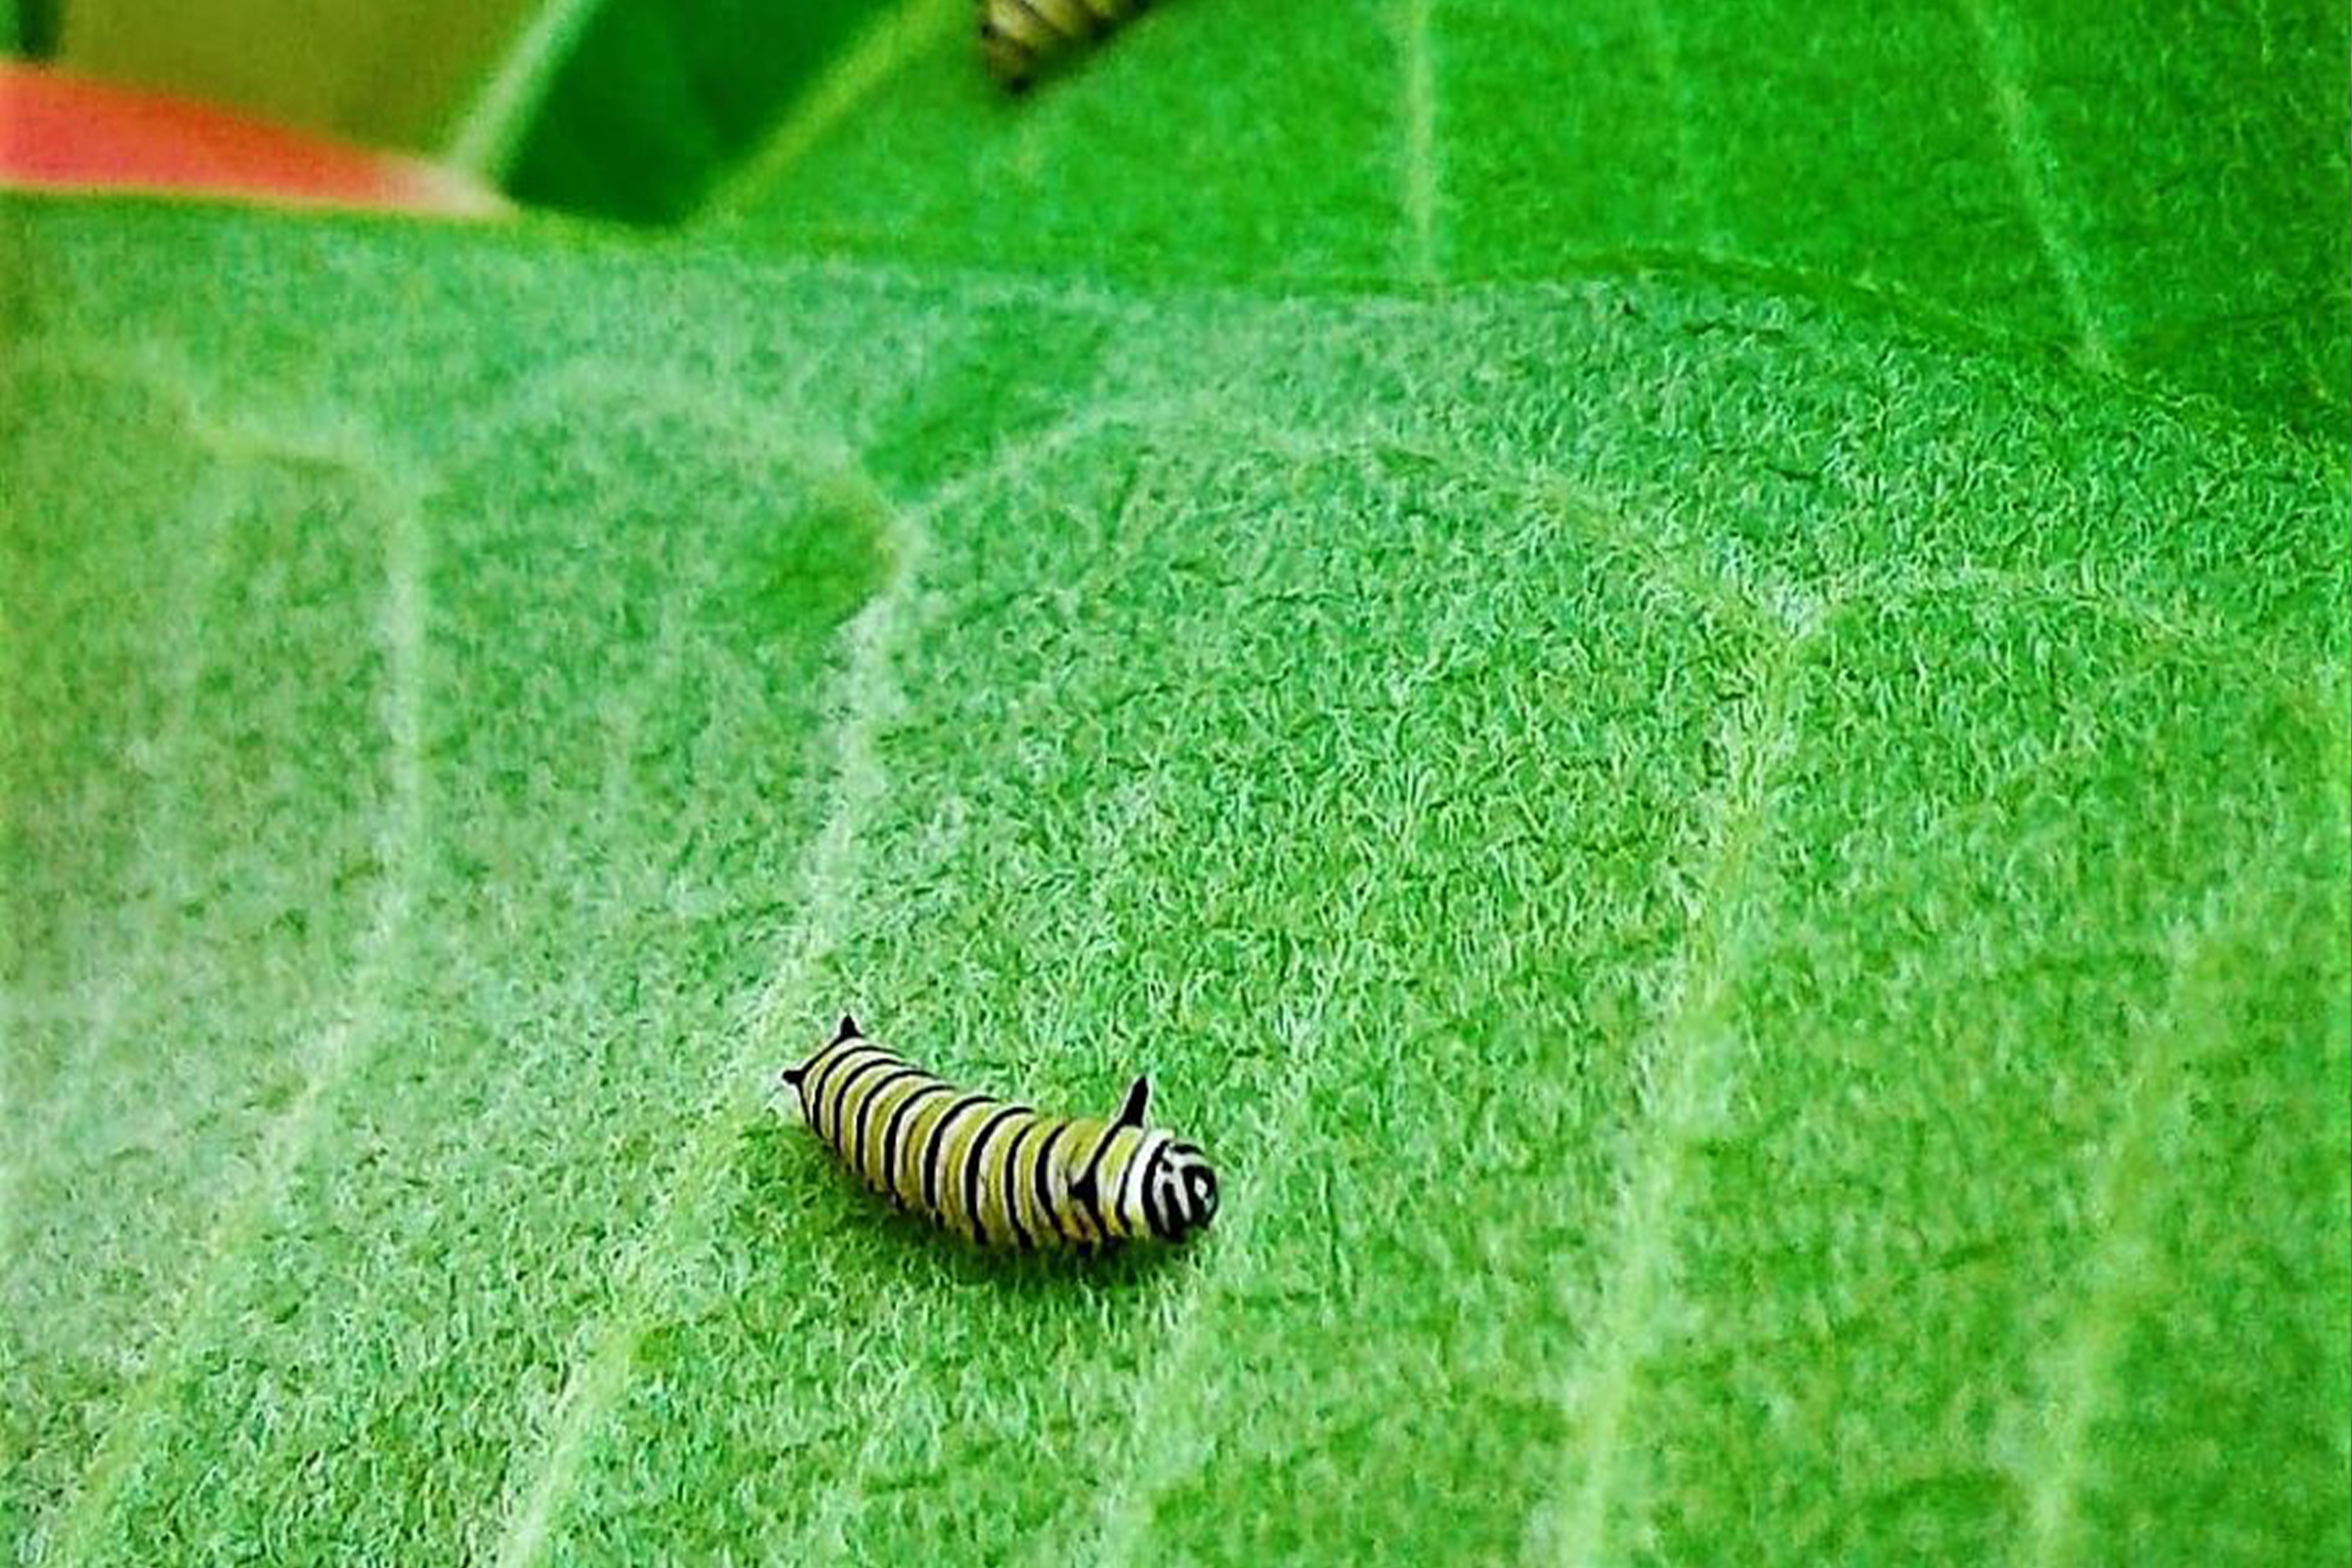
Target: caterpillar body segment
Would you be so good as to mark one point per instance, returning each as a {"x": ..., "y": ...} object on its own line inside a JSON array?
[
  {"x": 1019, "y": 39},
  {"x": 995, "y": 1172}
]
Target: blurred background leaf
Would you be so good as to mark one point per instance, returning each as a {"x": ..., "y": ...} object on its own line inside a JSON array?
[
  {"x": 662, "y": 97},
  {"x": 28, "y": 28},
  {"x": 2151, "y": 189},
  {"x": 2154, "y": 190},
  {"x": 396, "y": 76}
]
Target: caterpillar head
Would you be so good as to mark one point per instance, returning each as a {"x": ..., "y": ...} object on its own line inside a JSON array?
[
  {"x": 1180, "y": 1190},
  {"x": 1179, "y": 1186}
]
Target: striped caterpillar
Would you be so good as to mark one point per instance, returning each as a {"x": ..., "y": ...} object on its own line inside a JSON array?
[
  {"x": 1019, "y": 36},
  {"x": 995, "y": 1172}
]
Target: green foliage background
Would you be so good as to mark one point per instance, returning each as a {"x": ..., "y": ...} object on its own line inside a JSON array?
[
  {"x": 662, "y": 97},
  {"x": 1685, "y": 677}
]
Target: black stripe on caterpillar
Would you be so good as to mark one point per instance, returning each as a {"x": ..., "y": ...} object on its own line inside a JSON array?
[
  {"x": 996, "y": 1172},
  {"x": 1019, "y": 39}
]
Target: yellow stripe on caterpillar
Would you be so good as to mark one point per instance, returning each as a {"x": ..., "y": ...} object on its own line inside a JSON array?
[
  {"x": 1019, "y": 39},
  {"x": 996, "y": 1172}
]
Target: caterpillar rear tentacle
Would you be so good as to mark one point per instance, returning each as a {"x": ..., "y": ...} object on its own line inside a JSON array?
[
  {"x": 1020, "y": 38},
  {"x": 995, "y": 1172}
]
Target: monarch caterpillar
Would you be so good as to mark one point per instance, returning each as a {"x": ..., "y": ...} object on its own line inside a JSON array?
[
  {"x": 1017, "y": 36},
  {"x": 996, "y": 1172}
]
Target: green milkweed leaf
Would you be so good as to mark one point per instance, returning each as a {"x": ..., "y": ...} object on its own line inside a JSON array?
[{"x": 1744, "y": 874}]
